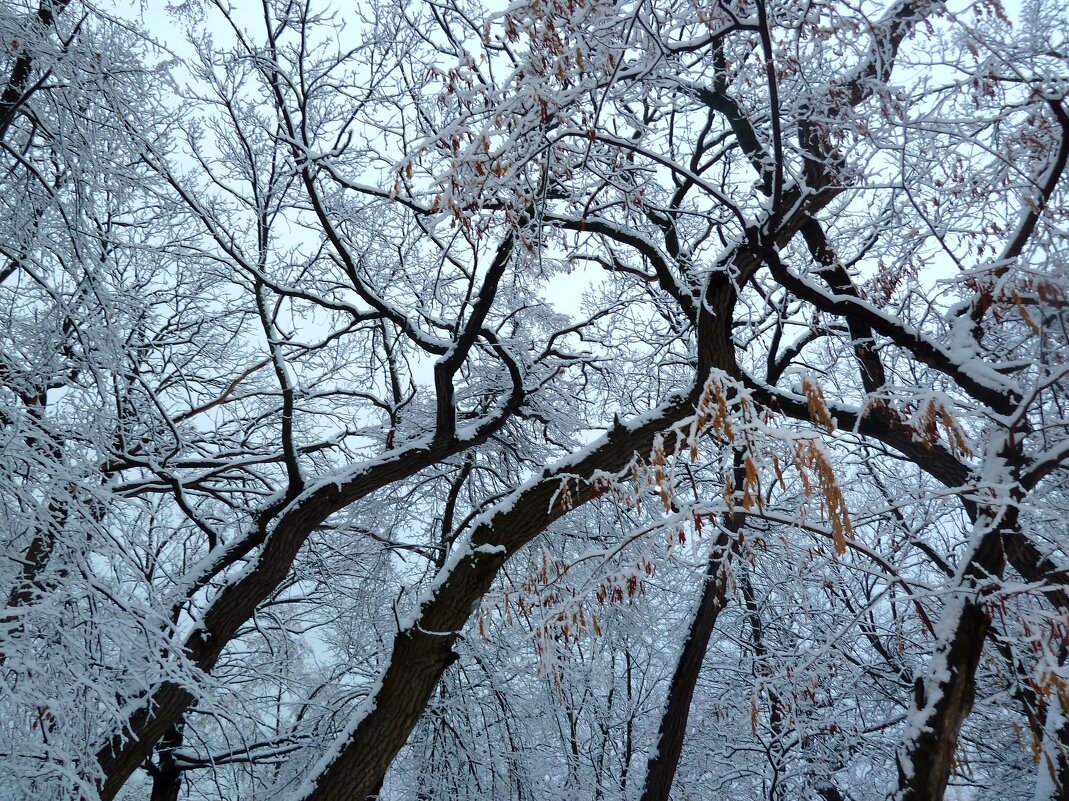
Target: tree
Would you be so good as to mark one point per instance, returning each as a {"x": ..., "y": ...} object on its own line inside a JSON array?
[{"x": 303, "y": 463}]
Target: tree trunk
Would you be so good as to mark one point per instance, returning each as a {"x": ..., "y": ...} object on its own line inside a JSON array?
[
  {"x": 662, "y": 766},
  {"x": 167, "y": 777},
  {"x": 423, "y": 649},
  {"x": 944, "y": 700}
]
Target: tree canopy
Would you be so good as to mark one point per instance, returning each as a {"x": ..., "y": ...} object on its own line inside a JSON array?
[{"x": 598, "y": 399}]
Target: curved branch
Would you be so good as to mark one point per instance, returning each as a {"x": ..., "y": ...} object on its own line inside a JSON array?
[{"x": 422, "y": 649}]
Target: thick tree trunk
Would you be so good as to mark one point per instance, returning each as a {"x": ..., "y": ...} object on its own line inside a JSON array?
[
  {"x": 127, "y": 750},
  {"x": 1052, "y": 780},
  {"x": 423, "y": 649},
  {"x": 945, "y": 698},
  {"x": 943, "y": 706},
  {"x": 167, "y": 777}
]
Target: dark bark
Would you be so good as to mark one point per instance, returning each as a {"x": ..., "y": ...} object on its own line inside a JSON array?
[
  {"x": 166, "y": 775},
  {"x": 830, "y": 793},
  {"x": 1057, "y": 764},
  {"x": 423, "y": 650},
  {"x": 18, "y": 83},
  {"x": 376, "y": 792},
  {"x": 774, "y": 747},
  {"x": 27, "y": 586},
  {"x": 35, "y": 560},
  {"x": 128, "y": 750},
  {"x": 945, "y": 700},
  {"x": 661, "y": 769},
  {"x": 838, "y": 279}
]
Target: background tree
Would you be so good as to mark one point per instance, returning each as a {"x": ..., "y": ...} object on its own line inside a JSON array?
[{"x": 316, "y": 486}]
